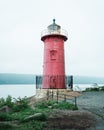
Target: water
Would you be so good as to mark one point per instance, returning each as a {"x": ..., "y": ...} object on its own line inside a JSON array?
[
  {"x": 17, "y": 90},
  {"x": 29, "y": 90}
]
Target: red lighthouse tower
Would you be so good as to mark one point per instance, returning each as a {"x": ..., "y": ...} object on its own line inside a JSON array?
[{"x": 54, "y": 63}]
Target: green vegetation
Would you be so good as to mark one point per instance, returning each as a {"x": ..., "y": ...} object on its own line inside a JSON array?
[
  {"x": 23, "y": 117},
  {"x": 94, "y": 89},
  {"x": 8, "y": 101},
  {"x": 6, "y": 127},
  {"x": 53, "y": 104},
  {"x": 101, "y": 88},
  {"x": 66, "y": 105},
  {"x": 5, "y": 116}
]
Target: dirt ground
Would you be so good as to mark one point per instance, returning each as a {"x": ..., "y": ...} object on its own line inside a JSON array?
[
  {"x": 90, "y": 115},
  {"x": 71, "y": 120}
]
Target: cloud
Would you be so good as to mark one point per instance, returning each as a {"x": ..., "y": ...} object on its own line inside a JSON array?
[{"x": 21, "y": 50}]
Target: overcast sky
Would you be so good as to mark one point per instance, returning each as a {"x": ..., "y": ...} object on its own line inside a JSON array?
[{"x": 21, "y": 23}]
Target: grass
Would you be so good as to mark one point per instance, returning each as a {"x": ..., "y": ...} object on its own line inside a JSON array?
[
  {"x": 67, "y": 105},
  {"x": 21, "y": 110},
  {"x": 55, "y": 105}
]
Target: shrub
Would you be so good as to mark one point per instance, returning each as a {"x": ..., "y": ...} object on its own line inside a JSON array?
[
  {"x": 91, "y": 89},
  {"x": 61, "y": 105},
  {"x": 51, "y": 102},
  {"x": 33, "y": 125},
  {"x": 95, "y": 89},
  {"x": 5, "y": 117},
  {"x": 2, "y": 102},
  {"x": 6, "y": 127},
  {"x": 45, "y": 104},
  {"x": 39, "y": 125},
  {"x": 102, "y": 88},
  {"x": 8, "y": 101},
  {"x": 41, "y": 105},
  {"x": 17, "y": 105},
  {"x": 20, "y": 104}
]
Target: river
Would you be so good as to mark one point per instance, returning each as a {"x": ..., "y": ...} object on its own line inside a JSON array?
[
  {"x": 17, "y": 90},
  {"x": 29, "y": 90}
]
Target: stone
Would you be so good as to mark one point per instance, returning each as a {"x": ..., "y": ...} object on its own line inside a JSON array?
[
  {"x": 35, "y": 116},
  {"x": 5, "y": 109},
  {"x": 50, "y": 107}
]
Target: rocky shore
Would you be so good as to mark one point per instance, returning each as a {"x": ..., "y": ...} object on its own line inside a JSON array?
[
  {"x": 93, "y": 102},
  {"x": 88, "y": 116}
]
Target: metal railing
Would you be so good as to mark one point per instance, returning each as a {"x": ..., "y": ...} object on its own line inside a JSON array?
[
  {"x": 57, "y": 32},
  {"x": 56, "y": 95},
  {"x": 68, "y": 80}
]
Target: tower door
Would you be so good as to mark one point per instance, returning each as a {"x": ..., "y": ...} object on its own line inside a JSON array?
[{"x": 53, "y": 82}]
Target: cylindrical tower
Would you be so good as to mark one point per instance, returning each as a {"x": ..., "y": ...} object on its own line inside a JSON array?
[{"x": 54, "y": 62}]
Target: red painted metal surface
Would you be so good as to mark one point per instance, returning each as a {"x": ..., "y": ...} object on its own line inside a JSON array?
[{"x": 54, "y": 62}]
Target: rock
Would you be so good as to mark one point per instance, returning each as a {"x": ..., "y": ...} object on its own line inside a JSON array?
[
  {"x": 5, "y": 109},
  {"x": 50, "y": 107},
  {"x": 35, "y": 117},
  {"x": 55, "y": 104}
]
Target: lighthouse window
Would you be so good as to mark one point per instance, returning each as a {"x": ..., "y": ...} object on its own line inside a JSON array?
[{"x": 53, "y": 55}]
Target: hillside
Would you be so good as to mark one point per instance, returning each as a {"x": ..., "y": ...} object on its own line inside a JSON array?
[
  {"x": 87, "y": 80},
  {"x": 31, "y": 79},
  {"x": 17, "y": 79}
]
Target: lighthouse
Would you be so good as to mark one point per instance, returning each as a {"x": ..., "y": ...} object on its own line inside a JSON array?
[{"x": 54, "y": 59}]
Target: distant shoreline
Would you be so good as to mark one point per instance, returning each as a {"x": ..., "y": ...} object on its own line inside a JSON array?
[{"x": 10, "y": 78}]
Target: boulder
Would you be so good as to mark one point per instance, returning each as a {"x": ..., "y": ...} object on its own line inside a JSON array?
[
  {"x": 33, "y": 117},
  {"x": 5, "y": 109},
  {"x": 50, "y": 107}
]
